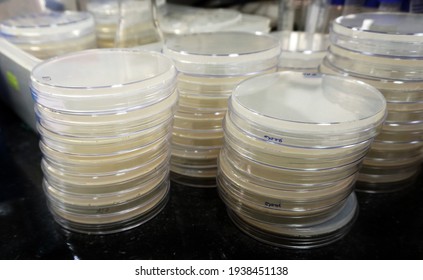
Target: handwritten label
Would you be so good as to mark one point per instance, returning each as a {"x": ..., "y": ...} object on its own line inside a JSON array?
[
  {"x": 312, "y": 75},
  {"x": 274, "y": 204},
  {"x": 273, "y": 139}
]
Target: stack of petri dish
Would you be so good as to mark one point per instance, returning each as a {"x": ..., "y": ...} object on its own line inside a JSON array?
[
  {"x": 385, "y": 50},
  {"x": 210, "y": 65},
  {"x": 105, "y": 119},
  {"x": 48, "y": 34},
  {"x": 293, "y": 146}
]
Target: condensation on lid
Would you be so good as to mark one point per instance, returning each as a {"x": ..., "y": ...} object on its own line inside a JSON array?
[
  {"x": 302, "y": 102},
  {"x": 392, "y": 34},
  {"x": 47, "y": 26},
  {"x": 223, "y": 52}
]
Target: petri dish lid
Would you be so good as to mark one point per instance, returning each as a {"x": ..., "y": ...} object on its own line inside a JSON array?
[
  {"x": 223, "y": 53},
  {"x": 188, "y": 20},
  {"x": 390, "y": 34},
  {"x": 47, "y": 26},
  {"x": 103, "y": 80},
  {"x": 307, "y": 105}
]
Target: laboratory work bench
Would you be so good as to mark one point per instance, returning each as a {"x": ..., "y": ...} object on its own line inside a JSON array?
[{"x": 193, "y": 225}]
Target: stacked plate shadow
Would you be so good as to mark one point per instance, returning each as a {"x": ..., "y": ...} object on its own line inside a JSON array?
[
  {"x": 293, "y": 146},
  {"x": 105, "y": 118},
  {"x": 210, "y": 65},
  {"x": 385, "y": 51}
]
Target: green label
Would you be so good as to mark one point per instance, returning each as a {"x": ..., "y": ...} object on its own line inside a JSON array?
[{"x": 12, "y": 80}]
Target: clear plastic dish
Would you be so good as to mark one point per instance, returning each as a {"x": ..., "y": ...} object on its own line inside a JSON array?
[
  {"x": 119, "y": 180},
  {"x": 210, "y": 102},
  {"x": 208, "y": 85},
  {"x": 399, "y": 127},
  {"x": 393, "y": 90},
  {"x": 107, "y": 163},
  {"x": 223, "y": 53},
  {"x": 181, "y": 20},
  {"x": 377, "y": 185},
  {"x": 201, "y": 139},
  {"x": 103, "y": 81},
  {"x": 198, "y": 120},
  {"x": 101, "y": 220},
  {"x": 403, "y": 137},
  {"x": 194, "y": 172},
  {"x": 313, "y": 236},
  {"x": 49, "y": 34},
  {"x": 388, "y": 34},
  {"x": 398, "y": 162},
  {"x": 288, "y": 176},
  {"x": 283, "y": 105},
  {"x": 375, "y": 66},
  {"x": 103, "y": 145},
  {"x": 405, "y": 106},
  {"x": 269, "y": 215},
  {"x": 195, "y": 163},
  {"x": 387, "y": 174},
  {"x": 396, "y": 147},
  {"x": 282, "y": 155},
  {"x": 100, "y": 199},
  {"x": 404, "y": 116},
  {"x": 120, "y": 123},
  {"x": 255, "y": 188},
  {"x": 195, "y": 152}
]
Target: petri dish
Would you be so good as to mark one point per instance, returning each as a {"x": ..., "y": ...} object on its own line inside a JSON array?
[
  {"x": 102, "y": 221},
  {"x": 49, "y": 34},
  {"x": 378, "y": 67},
  {"x": 314, "y": 236},
  {"x": 283, "y": 106},
  {"x": 181, "y": 20},
  {"x": 385, "y": 34},
  {"x": 103, "y": 145},
  {"x": 105, "y": 163},
  {"x": 185, "y": 119},
  {"x": 102, "y": 81},
  {"x": 94, "y": 125},
  {"x": 275, "y": 174},
  {"x": 252, "y": 147},
  {"x": 223, "y": 53}
]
